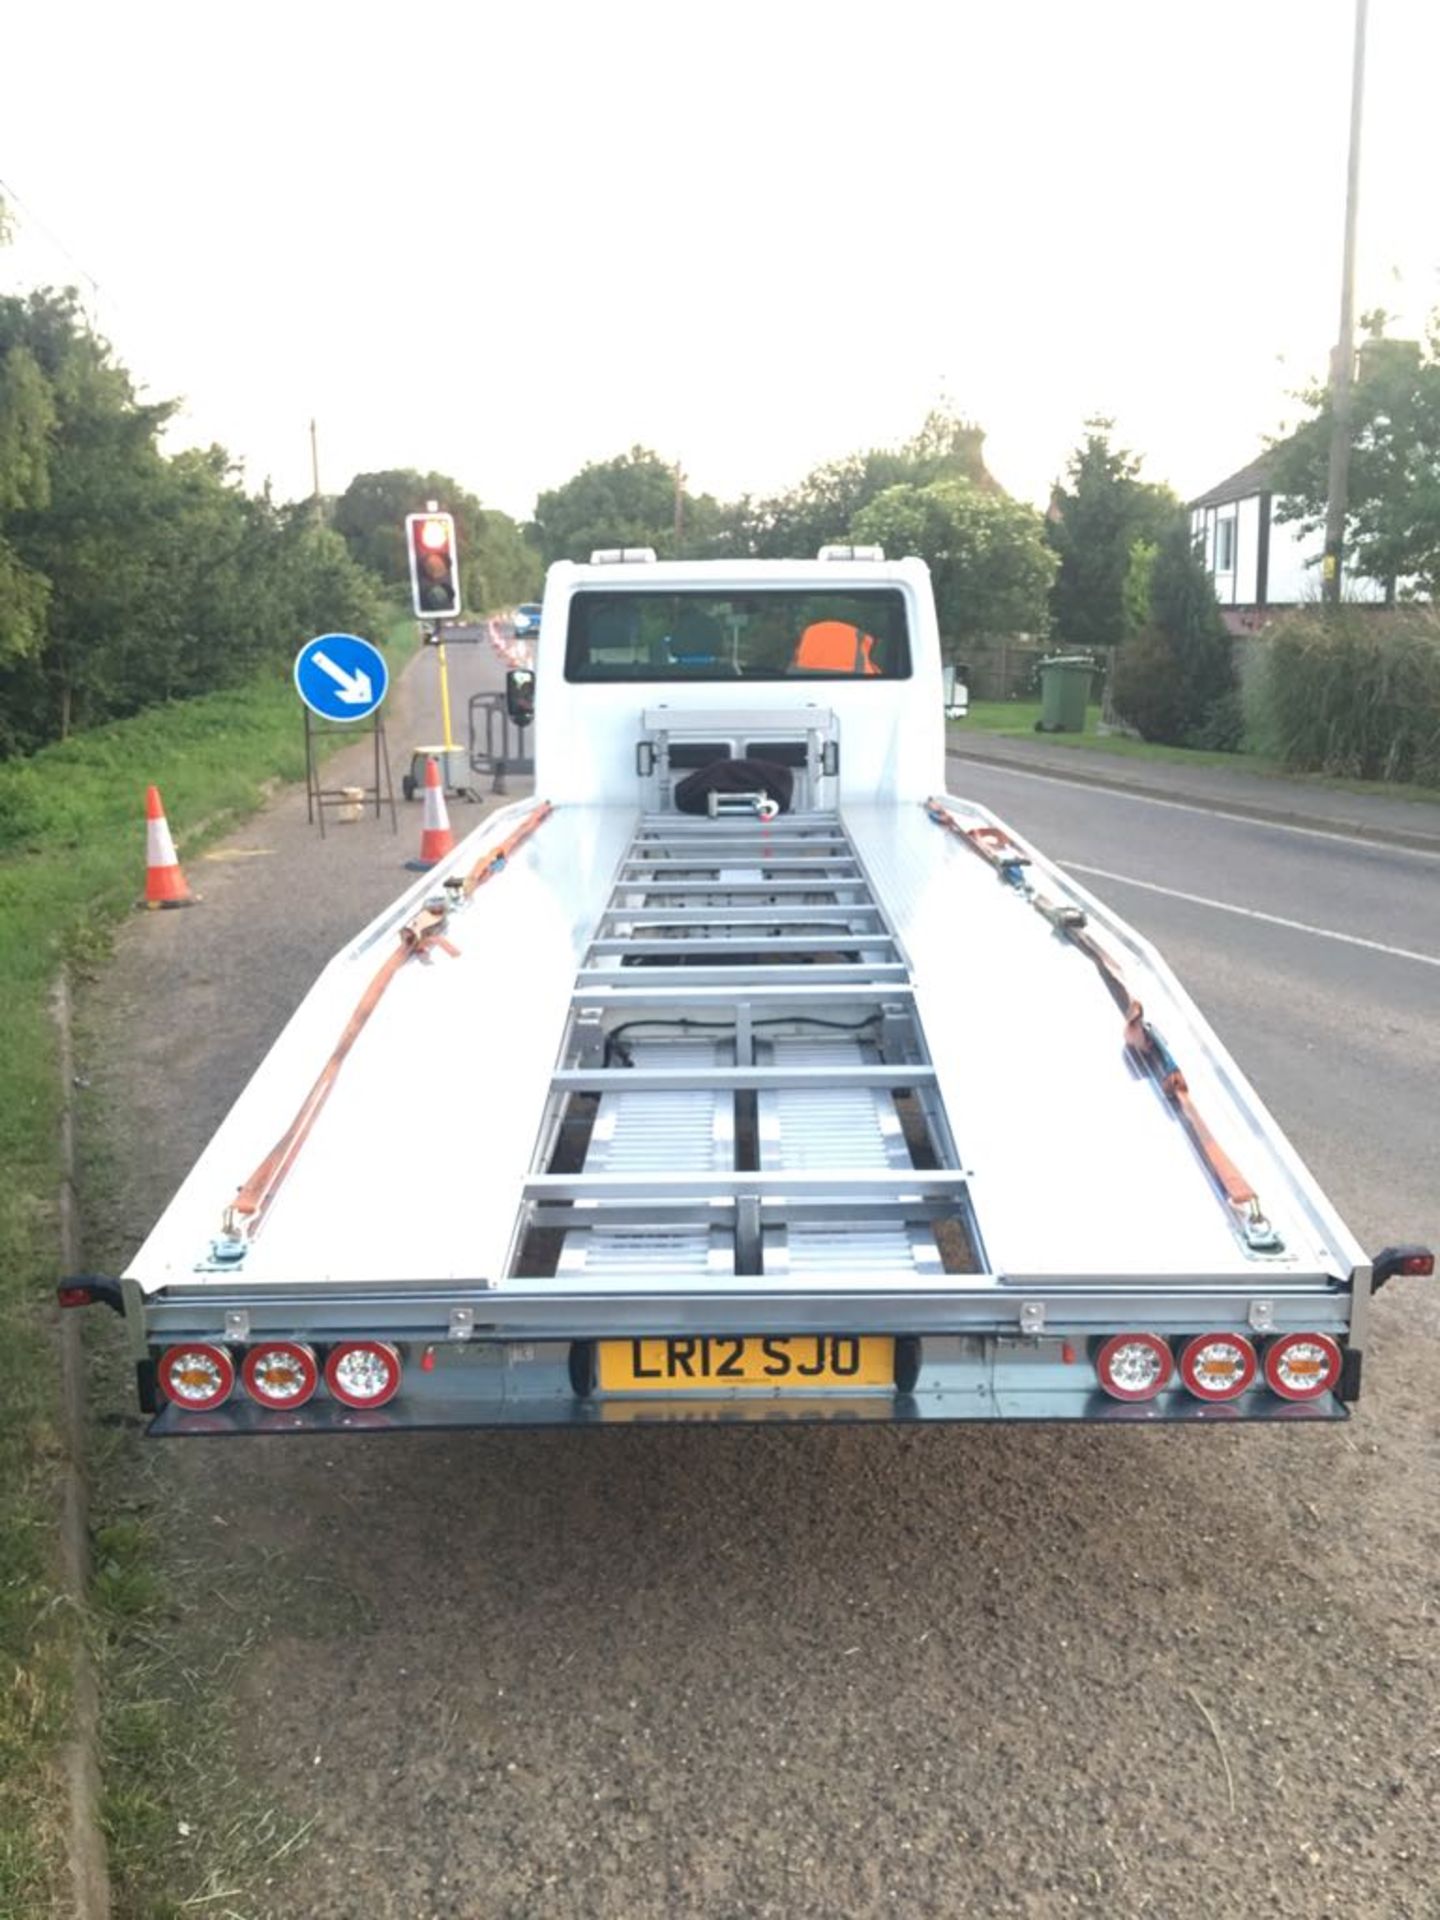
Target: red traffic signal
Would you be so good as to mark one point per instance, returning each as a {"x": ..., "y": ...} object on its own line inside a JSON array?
[{"x": 434, "y": 564}]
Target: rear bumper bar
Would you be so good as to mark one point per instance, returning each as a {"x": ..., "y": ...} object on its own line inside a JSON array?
[{"x": 328, "y": 1417}]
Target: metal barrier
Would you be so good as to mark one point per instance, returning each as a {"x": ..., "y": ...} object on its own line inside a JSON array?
[{"x": 502, "y": 753}]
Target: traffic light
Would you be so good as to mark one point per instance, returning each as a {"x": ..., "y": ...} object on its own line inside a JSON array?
[{"x": 434, "y": 564}]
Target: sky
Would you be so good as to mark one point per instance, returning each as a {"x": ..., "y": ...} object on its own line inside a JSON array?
[{"x": 503, "y": 238}]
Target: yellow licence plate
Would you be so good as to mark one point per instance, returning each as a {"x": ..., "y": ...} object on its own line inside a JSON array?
[{"x": 722, "y": 1360}]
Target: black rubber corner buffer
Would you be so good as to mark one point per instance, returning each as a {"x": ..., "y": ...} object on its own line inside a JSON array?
[
  {"x": 1347, "y": 1389},
  {"x": 147, "y": 1392}
]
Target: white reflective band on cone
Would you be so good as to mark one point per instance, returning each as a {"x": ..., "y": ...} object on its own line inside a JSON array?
[{"x": 159, "y": 847}]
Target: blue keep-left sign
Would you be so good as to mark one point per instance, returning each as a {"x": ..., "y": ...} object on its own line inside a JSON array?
[{"x": 340, "y": 676}]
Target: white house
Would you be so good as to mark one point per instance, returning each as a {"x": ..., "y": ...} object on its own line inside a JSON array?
[{"x": 1261, "y": 564}]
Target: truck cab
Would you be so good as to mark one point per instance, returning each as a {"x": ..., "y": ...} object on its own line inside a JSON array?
[{"x": 851, "y": 635}]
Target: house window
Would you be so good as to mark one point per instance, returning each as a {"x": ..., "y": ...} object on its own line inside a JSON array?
[{"x": 1225, "y": 546}]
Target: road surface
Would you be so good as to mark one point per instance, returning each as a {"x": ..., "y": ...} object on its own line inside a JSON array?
[{"x": 924, "y": 1672}]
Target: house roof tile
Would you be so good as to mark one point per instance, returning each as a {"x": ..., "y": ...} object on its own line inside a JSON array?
[{"x": 1252, "y": 479}]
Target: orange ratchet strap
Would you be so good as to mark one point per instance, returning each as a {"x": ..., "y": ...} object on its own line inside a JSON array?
[
  {"x": 422, "y": 934},
  {"x": 491, "y": 861},
  {"x": 995, "y": 847}
]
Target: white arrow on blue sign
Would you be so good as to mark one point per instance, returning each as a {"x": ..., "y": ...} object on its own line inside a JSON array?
[{"x": 339, "y": 676}]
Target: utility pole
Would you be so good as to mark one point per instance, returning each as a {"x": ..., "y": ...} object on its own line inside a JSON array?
[
  {"x": 1342, "y": 365},
  {"x": 679, "y": 508},
  {"x": 315, "y": 476}
]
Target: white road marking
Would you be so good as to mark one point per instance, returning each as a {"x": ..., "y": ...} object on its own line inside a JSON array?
[
  {"x": 1189, "y": 806},
  {"x": 1253, "y": 913}
]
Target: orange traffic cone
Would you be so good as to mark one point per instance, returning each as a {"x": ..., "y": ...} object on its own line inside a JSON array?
[
  {"x": 436, "y": 839},
  {"x": 164, "y": 883}
]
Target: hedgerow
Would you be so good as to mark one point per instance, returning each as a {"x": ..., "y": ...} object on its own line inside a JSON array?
[{"x": 1354, "y": 692}]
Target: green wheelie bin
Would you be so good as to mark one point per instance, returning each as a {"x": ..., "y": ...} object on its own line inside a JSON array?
[{"x": 1064, "y": 693}]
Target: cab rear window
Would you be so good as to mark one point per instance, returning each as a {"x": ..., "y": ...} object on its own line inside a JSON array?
[{"x": 768, "y": 634}]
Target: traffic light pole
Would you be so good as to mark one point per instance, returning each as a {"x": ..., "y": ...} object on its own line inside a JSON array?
[{"x": 439, "y": 646}]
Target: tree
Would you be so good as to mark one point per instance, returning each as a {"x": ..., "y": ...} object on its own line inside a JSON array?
[
  {"x": 507, "y": 567},
  {"x": 89, "y": 533},
  {"x": 370, "y": 517},
  {"x": 625, "y": 502},
  {"x": 987, "y": 555},
  {"x": 795, "y": 525},
  {"x": 1392, "y": 527},
  {"x": 27, "y": 420},
  {"x": 1135, "y": 595},
  {"x": 1175, "y": 679},
  {"x": 1094, "y": 522},
  {"x": 723, "y": 530},
  {"x": 127, "y": 577}
]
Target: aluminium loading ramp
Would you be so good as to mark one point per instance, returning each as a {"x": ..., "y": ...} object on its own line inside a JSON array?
[{"x": 746, "y": 1068}]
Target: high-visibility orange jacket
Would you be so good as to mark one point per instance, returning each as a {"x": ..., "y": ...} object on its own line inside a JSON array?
[{"x": 833, "y": 646}]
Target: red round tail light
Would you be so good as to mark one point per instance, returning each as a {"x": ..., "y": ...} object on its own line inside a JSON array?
[
  {"x": 363, "y": 1373},
  {"x": 282, "y": 1373},
  {"x": 1134, "y": 1366},
  {"x": 196, "y": 1376},
  {"x": 1218, "y": 1366},
  {"x": 1302, "y": 1366}
]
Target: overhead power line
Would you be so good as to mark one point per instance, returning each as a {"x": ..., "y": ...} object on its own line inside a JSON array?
[{"x": 33, "y": 219}]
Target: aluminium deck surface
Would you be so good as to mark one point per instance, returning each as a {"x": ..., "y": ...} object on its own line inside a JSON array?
[{"x": 436, "y": 1109}]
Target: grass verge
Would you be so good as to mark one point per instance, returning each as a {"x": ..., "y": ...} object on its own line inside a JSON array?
[
  {"x": 181, "y": 1621},
  {"x": 1015, "y": 719},
  {"x": 71, "y": 864}
]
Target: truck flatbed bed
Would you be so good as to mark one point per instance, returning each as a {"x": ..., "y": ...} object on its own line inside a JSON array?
[{"x": 1072, "y": 1166}]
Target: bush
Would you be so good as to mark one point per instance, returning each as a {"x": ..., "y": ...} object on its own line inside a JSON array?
[
  {"x": 1223, "y": 728},
  {"x": 1174, "y": 679},
  {"x": 1145, "y": 686},
  {"x": 1356, "y": 693}
]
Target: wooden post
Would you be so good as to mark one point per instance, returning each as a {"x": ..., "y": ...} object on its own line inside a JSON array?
[{"x": 1342, "y": 365}]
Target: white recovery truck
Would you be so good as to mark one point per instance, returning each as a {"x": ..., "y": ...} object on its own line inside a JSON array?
[{"x": 832, "y": 1100}]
